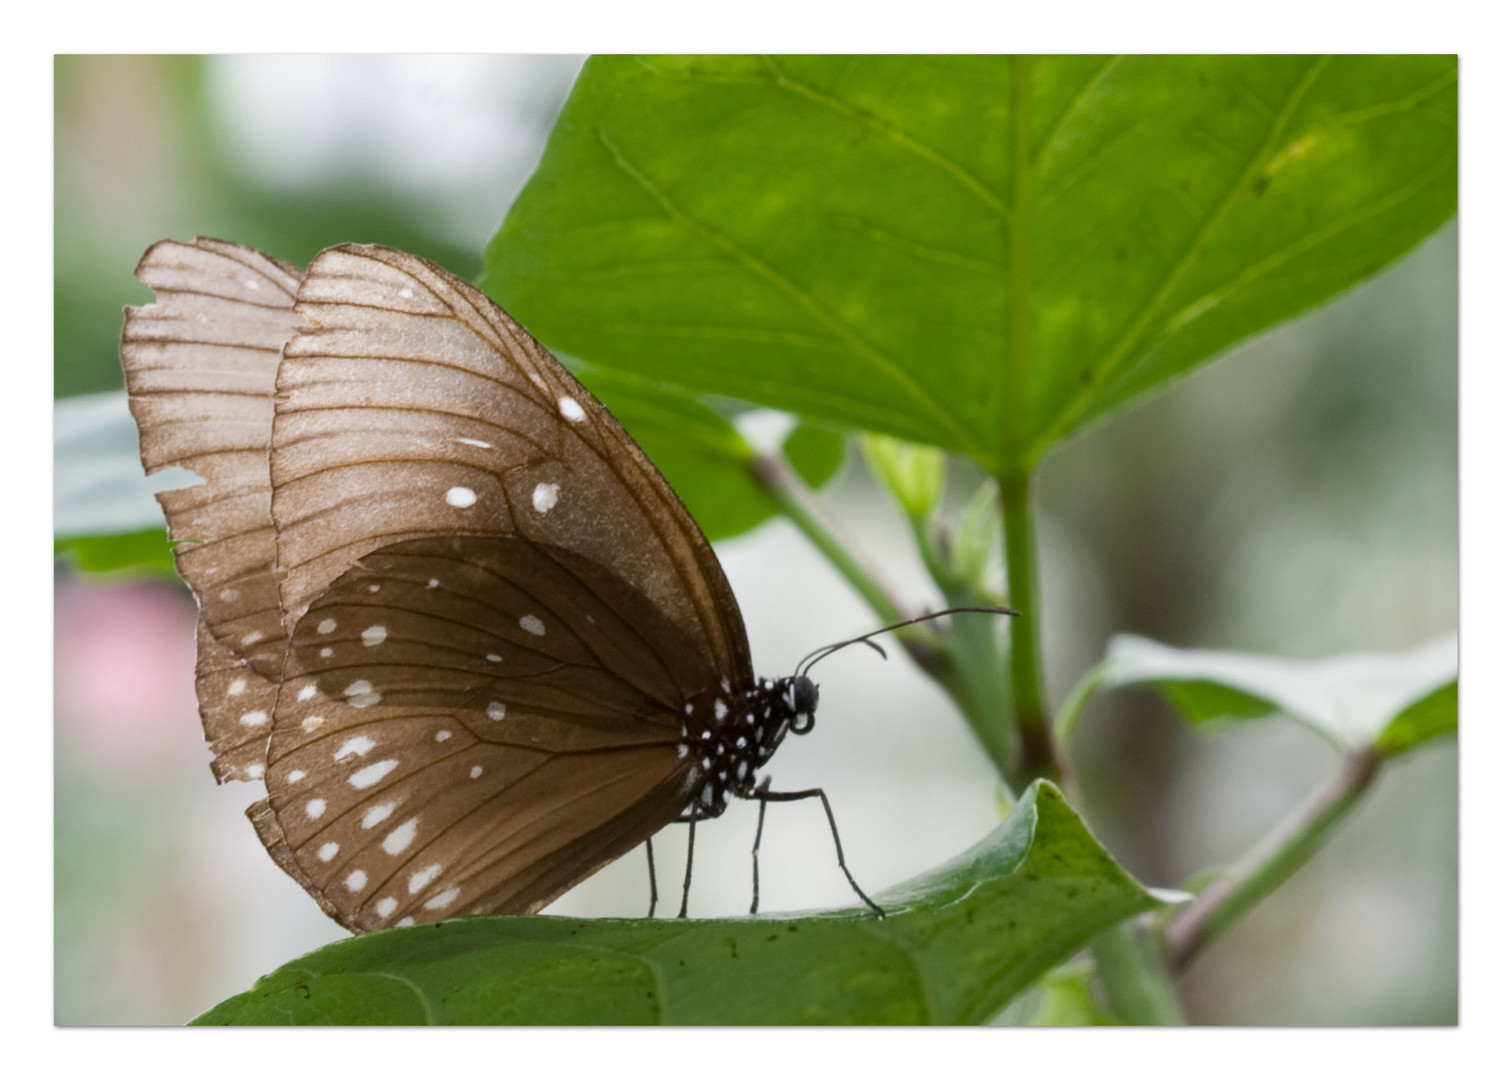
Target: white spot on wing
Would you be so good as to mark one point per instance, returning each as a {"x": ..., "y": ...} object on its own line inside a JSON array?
[
  {"x": 494, "y": 658},
  {"x": 325, "y": 653},
  {"x": 326, "y": 626},
  {"x": 374, "y": 635},
  {"x": 443, "y": 735},
  {"x": 256, "y": 718},
  {"x": 443, "y": 899},
  {"x": 312, "y": 722},
  {"x": 421, "y": 878},
  {"x": 314, "y": 808},
  {"x": 721, "y": 710},
  {"x": 386, "y": 907},
  {"x": 356, "y": 746},
  {"x": 236, "y": 687},
  {"x": 328, "y": 852},
  {"x": 367, "y": 777},
  {"x": 571, "y": 409},
  {"x": 255, "y": 770},
  {"x": 377, "y": 814},
  {"x": 253, "y": 638},
  {"x": 356, "y": 880},
  {"x": 360, "y": 694},
  {"x": 461, "y": 497},
  {"x": 475, "y": 772},
  {"x": 544, "y": 497},
  {"x": 307, "y": 693},
  {"x": 295, "y": 776},
  {"x": 478, "y": 443},
  {"x": 251, "y": 283},
  {"x": 401, "y": 837},
  {"x": 496, "y": 710},
  {"x": 406, "y": 293},
  {"x": 532, "y": 625}
]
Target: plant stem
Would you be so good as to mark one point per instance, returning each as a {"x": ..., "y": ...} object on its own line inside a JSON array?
[
  {"x": 1271, "y": 861},
  {"x": 925, "y": 646},
  {"x": 1037, "y": 756},
  {"x": 1131, "y": 965},
  {"x": 793, "y": 498},
  {"x": 974, "y": 676}
]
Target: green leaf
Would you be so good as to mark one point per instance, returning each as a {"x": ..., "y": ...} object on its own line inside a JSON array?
[
  {"x": 957, "y": 945},
  {"x": 1431, "y": 717},
  {"x": 1067, "y": 1001},
  {"x": 913, "y": 473},
  {"x": 1203, "y": 702},
  {"x": 1392, "y": 700},
  {"x": 147, "y": 550},
  {"x": 848, "y": 238},
  {"x": 978, "y": 536}
]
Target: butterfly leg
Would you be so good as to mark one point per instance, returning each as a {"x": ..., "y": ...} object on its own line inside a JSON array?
[
  {"x": 651, "y": 866},
  {"x": 793, "y": 796},
  {"x": 766, "y": 782},
  {"x": 688, "y": 874}
]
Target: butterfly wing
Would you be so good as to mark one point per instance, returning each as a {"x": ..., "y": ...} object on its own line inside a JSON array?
[
  {"x": 492, "y": 606},
  {"x": 474, "y": 724},
  {"x": 412, "y": 405},
  {"x": 200, "y": 367}
]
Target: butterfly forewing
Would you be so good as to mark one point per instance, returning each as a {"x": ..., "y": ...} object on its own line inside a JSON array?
[
  {"x": 414, "y": 406},
  {"x": 200, "y": 366}
]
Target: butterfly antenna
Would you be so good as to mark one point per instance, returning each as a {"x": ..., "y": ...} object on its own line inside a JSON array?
[{"x": 820, "y": 653}]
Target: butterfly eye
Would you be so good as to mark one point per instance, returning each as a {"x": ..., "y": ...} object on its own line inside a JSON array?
[{"x": 805, "y": 695}]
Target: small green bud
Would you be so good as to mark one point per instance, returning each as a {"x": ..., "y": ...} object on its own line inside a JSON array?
[
  {"x": 913, "y": 473},
  {"x": 977, "y": 537}
]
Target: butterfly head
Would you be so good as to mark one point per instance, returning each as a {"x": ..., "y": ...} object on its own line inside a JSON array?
[{"x": 801, "y": 696}]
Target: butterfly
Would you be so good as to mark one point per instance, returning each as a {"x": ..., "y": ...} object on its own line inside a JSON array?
[{"x": 451, "y": 615}]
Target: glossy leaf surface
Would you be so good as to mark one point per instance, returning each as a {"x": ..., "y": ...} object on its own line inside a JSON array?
[
  {"x": 959, "y": 943},
  {"x": 855, "y": 238}
]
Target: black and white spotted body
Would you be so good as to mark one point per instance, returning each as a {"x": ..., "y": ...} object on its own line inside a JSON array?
[{"x": 731, "y": 734}]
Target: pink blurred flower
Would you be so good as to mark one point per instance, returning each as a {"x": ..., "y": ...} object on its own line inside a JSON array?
[{"x": 123, "y": 676}]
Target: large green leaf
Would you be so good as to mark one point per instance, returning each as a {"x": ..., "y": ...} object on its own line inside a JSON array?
[
  {"x": 853, "y": 238},
  {"x": 1392, "y": 701},
  {"x": 958, "y": 944}
]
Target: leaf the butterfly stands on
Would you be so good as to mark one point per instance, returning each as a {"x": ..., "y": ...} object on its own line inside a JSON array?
[{"x": 450, "y": 613}]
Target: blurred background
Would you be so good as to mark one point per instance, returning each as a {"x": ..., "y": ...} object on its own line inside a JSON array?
[{"x": 1298, "y": 497}]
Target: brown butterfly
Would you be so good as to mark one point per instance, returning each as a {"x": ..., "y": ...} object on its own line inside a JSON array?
[{"x": 450, "y": 613}]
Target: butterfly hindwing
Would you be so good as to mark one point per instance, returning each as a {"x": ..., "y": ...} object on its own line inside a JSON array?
[{"x": 474, "y": 724}]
